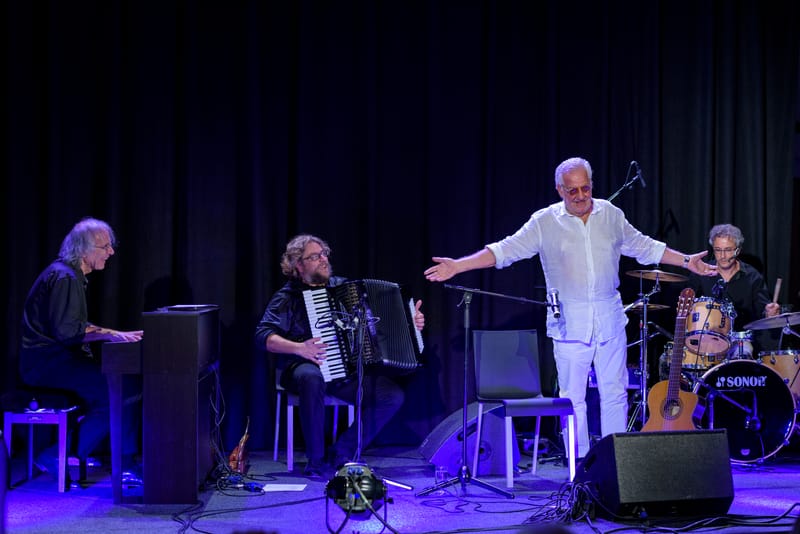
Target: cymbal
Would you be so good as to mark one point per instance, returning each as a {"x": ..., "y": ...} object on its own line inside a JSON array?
[
  {"x": 779, "y": 321},
  {"x": 638, "y": 308},
  {"x": 655, "y": 274}
]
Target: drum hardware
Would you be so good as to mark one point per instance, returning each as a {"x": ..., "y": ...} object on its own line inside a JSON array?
[
  {"x": 741, "y": 347},
  {"x": 751, "y": 418},
  {"x": 657, "y": 275},
  {"x": 638, "y": 341},
  {"x": 643, "y": 304},
  {"x": 636, "y": 307},
  {"x": 783, "y": 321},
  {"x": 757, "y": 409}
]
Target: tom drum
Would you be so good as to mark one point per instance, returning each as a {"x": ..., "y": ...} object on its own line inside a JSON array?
[
  {"x": 707, "y": 328},
  {"x": 787, "y": 364}
]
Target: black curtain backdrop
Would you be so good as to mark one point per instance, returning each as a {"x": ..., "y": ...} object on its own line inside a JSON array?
[{"x": 209, "y": 133}]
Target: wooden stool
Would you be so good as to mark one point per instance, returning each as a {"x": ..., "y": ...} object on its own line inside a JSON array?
[{"x": 43, "y": 417}]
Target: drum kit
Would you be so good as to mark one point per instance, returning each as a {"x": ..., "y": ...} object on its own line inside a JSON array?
[{"x": 755, "y": 399}]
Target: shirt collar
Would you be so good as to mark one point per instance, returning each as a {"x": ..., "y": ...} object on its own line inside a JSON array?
[{"x": 561, "y": 209}]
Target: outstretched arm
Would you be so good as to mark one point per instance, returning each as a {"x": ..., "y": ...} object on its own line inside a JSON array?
[{"x": 447, "y": 268}]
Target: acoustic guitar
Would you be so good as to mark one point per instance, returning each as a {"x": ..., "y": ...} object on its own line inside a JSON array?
[{"x": 670, "y": 407}]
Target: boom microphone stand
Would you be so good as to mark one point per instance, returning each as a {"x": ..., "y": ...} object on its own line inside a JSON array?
[
  {"x": 464, "y": 476},
  {"x": 629, "y": 182}
]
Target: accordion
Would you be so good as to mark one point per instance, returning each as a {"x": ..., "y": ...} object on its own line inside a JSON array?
[{"x": 366, "y": 318}]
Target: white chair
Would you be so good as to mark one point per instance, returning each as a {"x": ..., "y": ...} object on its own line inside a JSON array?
[
  {"x": 292, "y": 400},
  {"x": 507, "y": 372}
]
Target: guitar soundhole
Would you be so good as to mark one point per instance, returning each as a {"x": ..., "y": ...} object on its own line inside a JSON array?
[{"x": 672, "y": 409}]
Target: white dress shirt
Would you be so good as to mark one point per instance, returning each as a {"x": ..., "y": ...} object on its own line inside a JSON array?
[{"x": 582, "y": 262}]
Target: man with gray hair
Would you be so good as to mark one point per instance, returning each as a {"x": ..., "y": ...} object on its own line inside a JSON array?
[
  {"x": 738, "y": 288},
  {"x": 54, "y": 350},
  {"x": 580, "y": 241}
]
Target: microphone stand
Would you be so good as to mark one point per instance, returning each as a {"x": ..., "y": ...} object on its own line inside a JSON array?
[
  {"x": 464, "y": 476},
  {"x": 361, "y": 321},
  {"x": 627, "y": 185}
]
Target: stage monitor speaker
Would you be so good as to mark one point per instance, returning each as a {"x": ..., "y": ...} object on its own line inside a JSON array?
[
  {"x": 442, "y": 447},
  {"x": 659, "y": 474}
]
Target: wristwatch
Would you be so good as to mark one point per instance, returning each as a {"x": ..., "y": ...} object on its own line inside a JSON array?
[{"x": 686, "y": 262}]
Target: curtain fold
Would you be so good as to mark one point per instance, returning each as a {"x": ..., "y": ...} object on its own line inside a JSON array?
[{"x": 209, "y": 135}]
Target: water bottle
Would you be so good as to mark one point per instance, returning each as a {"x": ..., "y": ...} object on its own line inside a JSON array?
[{"x": 439, "y": 476}]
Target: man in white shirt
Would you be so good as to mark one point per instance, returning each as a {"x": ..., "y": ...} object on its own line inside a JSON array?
[{"x": 580, "y": 241}]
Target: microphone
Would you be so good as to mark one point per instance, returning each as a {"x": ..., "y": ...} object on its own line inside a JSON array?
[
  {"x": 661, "y": 330},
  {"x": 718, "y": 288},
  {"x": 552, "y": 296},
  {"x": 639, "y": 173}
]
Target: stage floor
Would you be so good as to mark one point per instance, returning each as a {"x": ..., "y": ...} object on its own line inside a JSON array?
[{"x": 764, "y": 500}]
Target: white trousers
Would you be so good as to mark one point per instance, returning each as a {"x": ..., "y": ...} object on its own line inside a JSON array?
[{"x": 573, "y": 362}]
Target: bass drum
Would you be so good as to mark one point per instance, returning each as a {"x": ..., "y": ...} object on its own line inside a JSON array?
[{"x": 752, "y": 403}]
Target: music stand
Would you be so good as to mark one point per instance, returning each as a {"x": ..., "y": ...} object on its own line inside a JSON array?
[{"x": 464, "y": 476}]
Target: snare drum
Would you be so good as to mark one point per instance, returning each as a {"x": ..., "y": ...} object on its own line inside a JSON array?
[
  {"x": 787, "y": 364},
  {"x": 741, "y": 345},
  {"x": 707, "y": 328},
  {"x": 690, "y": 362},
  {"x": 700, "y": 362}
]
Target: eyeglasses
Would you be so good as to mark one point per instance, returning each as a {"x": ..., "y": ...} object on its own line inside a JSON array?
[
  {"x": 725, "y": 250},
  {"x": 317, "y": 255},
  {"x": 572, "y": 191},
  {"x": 106, "y": 247}
]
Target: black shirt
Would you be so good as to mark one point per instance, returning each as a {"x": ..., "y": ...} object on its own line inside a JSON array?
[
  {"x": 286, "y": 315},
  {"x": 55, "y": 317},
  {"x": 746, "y": 291}
]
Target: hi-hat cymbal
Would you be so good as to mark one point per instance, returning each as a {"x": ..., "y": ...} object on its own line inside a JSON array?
[
  {"x": 638, "y": 308},
  {"x": 779, "y": 321},
  {"x": 655, "y": 274}
]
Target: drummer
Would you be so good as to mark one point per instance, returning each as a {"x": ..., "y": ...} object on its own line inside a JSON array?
[{"x": 739, "y": 286}]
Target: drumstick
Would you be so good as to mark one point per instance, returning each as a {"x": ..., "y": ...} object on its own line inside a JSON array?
[{"x": 777, "y": 290}]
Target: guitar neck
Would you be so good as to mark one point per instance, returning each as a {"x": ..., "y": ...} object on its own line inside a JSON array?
[{"x": 676, "y": 360}]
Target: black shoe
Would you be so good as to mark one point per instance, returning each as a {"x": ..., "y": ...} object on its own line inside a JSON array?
[
  {"x": 314, "y": 470},
  {"x": 339, "y": 461},
  {"x": 335, "y": 459}
]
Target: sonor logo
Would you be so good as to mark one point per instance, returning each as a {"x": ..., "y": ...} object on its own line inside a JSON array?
[{"x": 741, "y": 381}]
